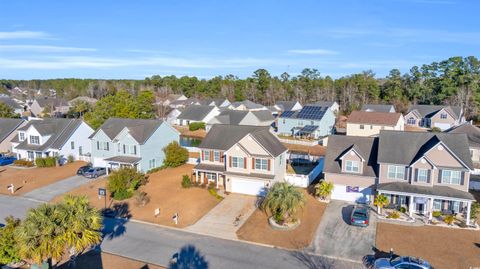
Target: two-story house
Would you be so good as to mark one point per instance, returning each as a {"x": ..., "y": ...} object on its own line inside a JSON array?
[
  {"x": 430, "y": 116},
  {"x": 131, "y": 142},
  {"x": 312, "y": 120},
  {"x": 473, "y": 135},
  {"x": 8, "y": 131},
  {"x": 362, "y": 123},
  {"x": 197, "y": 113},
  {"x": 241, "y": 159},
  {"x": 242, "y": 117},
  {"x": 52, "y": 137}
]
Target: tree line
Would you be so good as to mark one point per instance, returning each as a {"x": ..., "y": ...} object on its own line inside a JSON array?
[{"x": 455, "y": 81}]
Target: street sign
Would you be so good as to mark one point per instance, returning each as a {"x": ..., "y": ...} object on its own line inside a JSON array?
[{"x": 102, "y": 192}]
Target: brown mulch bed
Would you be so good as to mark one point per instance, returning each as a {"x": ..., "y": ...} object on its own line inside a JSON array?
[
  {"x": 257, "y": 229},
  {"x": 102, "y": 260},
  {"x": 166, "y": 193},
  {"x": 185, "y": 132},
  {"x": 442, "y": 247},
  {"x": 26, "y": 180},
  {"x": 410, "y": 128}
]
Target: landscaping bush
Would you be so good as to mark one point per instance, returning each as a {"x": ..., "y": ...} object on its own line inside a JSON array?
[
  {"x": 436, "y": 130},
  {"x": 403, "y": 209},
  {"x": 393, "y": 215},
  {"x": 124, "y": 182},
  {"x": 24, "y": 163},
  {"x": 175, "y": 155},
  {"x": 284, "y": 202},
  {"x": 436, "y": 214},
  {"x": 214, "y": 193},
  {"x": 46, "y": 162},
  {"x": 40, "y": 162},
  {"x": 9, "y": 251},
  {"x": 141, "y": 198},
  {"x": 70, "y": 158},
  {"x": 474, "y": 210},
  {"x": 449, "y": 219},
  {"x": 186, "y": 182},
  {"x": 196, "y": 126}
]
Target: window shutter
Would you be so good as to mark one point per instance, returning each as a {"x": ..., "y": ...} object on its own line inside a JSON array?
[
  {"x": 108, "y": 146},
  {"x": 415, "y": 178},
  {"x": 406, "y": 176},
  {"x": 253, "y": 163},
  {"x": 462, "y": 178},
  {"x": 439, "y": 175},
  {"x": 268, "y": 164},
  {"x": 429, "y": 173},
  {"x": 245, "y": 163},
  {"x": 203, "y": 155},
  {"x": 135, "y": 150},
  {"x": 98, "y": 145},
  {"x": 230, "y": 161},
  {"x": 222, "y": 158},
  {"x": 124, "y": 149},
  {"x": 211, "y": 155}
]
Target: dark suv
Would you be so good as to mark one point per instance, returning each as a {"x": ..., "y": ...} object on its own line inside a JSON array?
[{"x": 81, "y": 171}]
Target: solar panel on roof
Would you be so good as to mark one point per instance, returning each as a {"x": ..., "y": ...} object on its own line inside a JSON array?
[
  {"x": 312, "y": 112},
  {"x": 287, "y": 114}
]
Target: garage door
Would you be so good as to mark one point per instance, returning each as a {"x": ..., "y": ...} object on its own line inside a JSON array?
[
  {"x": 351, "y": 193},
  {"x": 248, "y": 187},
  {"x": 442, "y": 126}
]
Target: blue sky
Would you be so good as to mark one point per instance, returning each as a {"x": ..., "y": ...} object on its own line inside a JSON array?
[{"x": 135, "y": 39}]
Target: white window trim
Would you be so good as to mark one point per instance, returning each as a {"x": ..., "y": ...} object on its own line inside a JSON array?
[
  {"x": 216, "y": 156},
  {"x": 437, "y": 205},
  {"x": 353, "y": 164},
  {"x": 448, "y": 180},
  {"x": 237, "y": 162},
  {"x": 397, "y": 168},
  {"x": 426, "y": 175},
  {"x": 261, "y": 164}
]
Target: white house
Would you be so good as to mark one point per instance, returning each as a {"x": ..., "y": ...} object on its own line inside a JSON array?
[{"x": 197, "y": 113}]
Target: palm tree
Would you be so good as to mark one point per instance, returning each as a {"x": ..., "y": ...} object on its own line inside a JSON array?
[
  {"x": 381, "y": 201},
  {"x": 283, "y": 201},
  {"x": 323, "y": 189}
]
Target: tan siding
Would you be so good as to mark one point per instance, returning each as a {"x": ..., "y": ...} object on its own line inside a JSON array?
[
  {"x": 350, "y": 180},
  {"x": 442, "y": 158},
  {"x": 349, "y": 157}
]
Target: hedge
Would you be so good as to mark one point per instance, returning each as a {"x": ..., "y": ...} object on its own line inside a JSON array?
[{"x": 196, "y": 126}]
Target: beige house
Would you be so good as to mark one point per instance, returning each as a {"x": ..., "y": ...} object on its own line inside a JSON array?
[
  {"x": 241, "y": 159},
  {"x": 428, "y": 116},
  {"x": 54, "y": 107},
  {"x": 8, "y": 130},
  {"x": 363, "y": 123},
  {"x": 473, "y": 135}
]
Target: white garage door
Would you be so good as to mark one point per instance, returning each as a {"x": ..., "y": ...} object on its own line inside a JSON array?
[
  {"x": 351, "y": 193},
  {"x": 248, "y": 187},
  {"x": 442, "y": 126}
]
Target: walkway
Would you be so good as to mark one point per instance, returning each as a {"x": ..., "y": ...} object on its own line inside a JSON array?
[
  {"x": 220, "y": 221},
  {"x": 53, "y": 190},
  {"x": 335, "y": 237}
]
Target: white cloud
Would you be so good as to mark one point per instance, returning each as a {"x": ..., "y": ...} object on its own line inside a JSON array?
[
  {"x": 23, "y": 35},
  {"x": 43, "y": 48},
  {"x": 312, "y": 51}
]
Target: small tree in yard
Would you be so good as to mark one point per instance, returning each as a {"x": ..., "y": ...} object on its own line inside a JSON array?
[
  {"x": 284, "y": 201},
  {"x": 175, "y": 155},
  {"x": 381, "y": 201},
  {"x": 186, "y": 182},
  {"x": 123, "y": 183},
  {"x": 8, "y": 245},
  {"x": 323, "y": 189}
]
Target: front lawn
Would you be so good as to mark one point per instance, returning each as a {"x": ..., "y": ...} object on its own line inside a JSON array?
[
  {"x": 257, "y": 229},
  {"x": 166, "y": 193},
  {"x": 26, "y": 180},
  {"x": 442, "y": 247}
]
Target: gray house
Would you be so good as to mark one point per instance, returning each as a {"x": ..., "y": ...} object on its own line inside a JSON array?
[
  {"x": 131, "y": 142},
  {"x": 242, "y": 117},
  {"x": 8, "y": 130}
]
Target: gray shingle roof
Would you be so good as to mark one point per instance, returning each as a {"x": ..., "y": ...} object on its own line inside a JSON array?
[
  {"x": 338, "y": 145},
  {"x": 10, "y": 102},
  {"x": 398, "y": 147},
  {"x": 248, "y": 104},
  {"x": 378, "y": 108},
  {"x": 427, "y": 111},
  {"x": 60, "y": 130},
  {"x": 124, "y": 159},
  {"x": 7, "y": 126},
  {"x": 472, "y": 132},
  {"x": 286, "y": 105},
  {"x": 195, "y": 112},
  {"x": 42, "y": 102},
  {"x": 223, "y": 137},
  {"x": 435, "y": 190},
  {"x": 140, "y": 129},
  {"x": 324, "y": 103},
  {"x": 216, "y": 101}
]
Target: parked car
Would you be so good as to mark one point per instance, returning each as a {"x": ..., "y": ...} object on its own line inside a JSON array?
[
  {"x": 360, "y": 216},
  {"x": 401, "y": 262},
  {"x": 95, "y": 172},
  {"x": 6, "y": 160},
  {"x": 83, "y": 169}
]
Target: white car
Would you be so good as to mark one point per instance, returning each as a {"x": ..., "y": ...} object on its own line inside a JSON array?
[{"x": 401, "y": 262}]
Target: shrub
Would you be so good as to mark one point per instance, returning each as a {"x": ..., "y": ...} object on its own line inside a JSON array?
[
  {"x": 284, "y": 201},
  {"x": 8, "y": 243},
  {"x": 70, "y": 158},
  {"x": 214, "y": 193},
  {"x": 156, "y": 169},
  {"x": 186, "y": 182},
  {"x": 474, "y": 210},
  {"x": 123, "y": 182},
  {"x": 436, "y": 214},
  {"x": 175, "y": 155},
  {"x": 403, "y": 209},
  {"x": 196, "y": 126},
  {"x": 436, "y": 130},
  {"x": 40, "y": 162},
  {"x": 24, "y": 163},
  {"x": 50, "y": 161},
  {"x": 323, "y": 189},
  {"x": 141, "y": 198},
  {"x": 393, "y": 215},
  {"x": 449, "y": 219}
]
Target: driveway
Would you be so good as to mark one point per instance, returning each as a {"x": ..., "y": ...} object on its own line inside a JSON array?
[
  {"x": 53, "y": 190},
  {"x": 336, "y": 238},
  {"x": 221, "y": 220}
]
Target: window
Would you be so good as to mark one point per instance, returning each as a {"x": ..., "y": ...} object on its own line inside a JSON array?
[
  {"x": 206, "y": 155},
  {"x": 352, "y": 166},
  {"x": 132, "y": 149},
  {"x": 411, "y": 121},
  {"x": 211, "y": 176},
  {"x": 443, "y": 116},
  {"x": 283, "y": 121},
  {"x": 119, "y": 147},
  {"x": 72, "y": 145},
  {"x": 422, "y": 175},
  {"x": 456, "y": 206},
  {"x": 237, "y": 162},
  {"x": 261, "y": 164},
  {"x": 30, "y": 155},
  {"x": 437, "y": 205},
  {"x": 396, "y": 172},
  {"x": 106, "y": 146},
  {"x": 38, "y": 154},
  {"x": 98, "y": 145},
  {"x": 21, "y": 136},
  {"x": 371, "y": 127},
  {"x": 216, "y": 156},
  {"x": 451, "y": 177},
  {"x": 471, "y": 153},
  {"x": 362, "y": 126},
  {"x": 151, "y": 163},
  {"x": 34, "y": 139}
]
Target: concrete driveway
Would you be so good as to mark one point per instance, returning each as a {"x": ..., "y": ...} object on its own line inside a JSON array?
[
  {"x": 335, "y": 237},
  {"x": 221, "y": 220}
]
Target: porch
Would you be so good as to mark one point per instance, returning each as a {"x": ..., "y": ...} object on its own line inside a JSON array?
[
  {"x": 117, "y": 162},
  {"x": 209, "y": 174}
]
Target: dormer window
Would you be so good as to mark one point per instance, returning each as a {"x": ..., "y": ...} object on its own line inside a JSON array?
[
  {"x": 352, "y": 166},
  {"x": 411, "y": 120},
  {"x": 443, "y": 116},
  {"x": 35, "y": 139},
  {"x": 21, "y": 136}
]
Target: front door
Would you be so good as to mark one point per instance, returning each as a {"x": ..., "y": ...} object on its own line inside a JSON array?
[{"x": 420, "y": 208}]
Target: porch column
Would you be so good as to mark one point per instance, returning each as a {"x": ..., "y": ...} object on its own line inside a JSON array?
[
  {"x": 410, "y": 206},
  {"x": 217, "y": 180},
  {"x": 202, "y": 175},
  {"x": 196, "y": 175},
  {"x": 430, "y": 209},
  {"x": 469, "y": 205}
]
